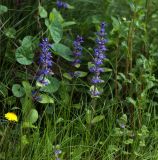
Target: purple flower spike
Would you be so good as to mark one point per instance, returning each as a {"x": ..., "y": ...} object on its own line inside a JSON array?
[
  {"x": 60, "y": 4},
  {"x": 77, "y": 51},
  {"x": 45, "y": 62},
  {"x": 98, "y": 59},
  {"x": 95, "y": 93}
]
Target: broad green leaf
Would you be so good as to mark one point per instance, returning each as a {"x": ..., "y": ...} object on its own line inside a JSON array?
[
  {"x": 3, "y": 9},
  {"x": 55, "y": 16},
  {"x": 62, "y": 51},
  {"x": 42, "y": 12},
  {"x": 24, "y": 55},
  {"x": 10, "y": 32},
  {"x": 32, "y": 116},
  {"x": 97, "y": 119},
  {"x": 52, "y": 87},
  {"x": 56, "y": 31},
  {"x": 45, "y": 99},
  {"x": 18, "y": 90},
  {"x": 27, "y": 41}
]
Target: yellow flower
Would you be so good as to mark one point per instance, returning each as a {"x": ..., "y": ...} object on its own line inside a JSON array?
[{"x": 10, "y": 116}]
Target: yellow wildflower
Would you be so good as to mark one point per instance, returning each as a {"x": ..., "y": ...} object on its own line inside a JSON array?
[{"x": 10, "y": 116}]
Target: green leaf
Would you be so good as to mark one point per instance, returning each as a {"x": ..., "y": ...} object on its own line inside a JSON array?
[
  {"x": 24, "y": 54},
  {"x": 27, "y": 88},
  {"x": 18, "y": 90},
  {"x": 116, "y": 24},
  {"x": 10, "y": 32},
  {"x": 32, "y": 116},
  {"x": 53, "y": 85},
  {"x": 28, "y": 125},
  {"x": 69, "y": 23},
  {"x": 128, "y": 141},
  {"x": 80, "y": 73},
  {"x": 67, "y": 76},
  {"x": 59, "y": 120},
  {"x": 45, "y": 99},
  {"x": 107, "y": 69},
  {"x": 42, "y": 12},
  {"x": 62, "y": 51},
  {"x": 3, "y": 9},
  {"x": 56, "y": 31},
  {"x": 55, "y": 16},
  {"x": 123, "y": 119},
  {"x": 131, "y": 100},
  {"x": 97, "y": 119}
]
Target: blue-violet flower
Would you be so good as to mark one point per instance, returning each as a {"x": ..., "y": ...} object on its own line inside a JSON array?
[
  {"x": 45, "y": 62},
  {"x": 98, "y": 59},
  {"x": 77, "y": 51},
  {"x": 60, "y": 4}
]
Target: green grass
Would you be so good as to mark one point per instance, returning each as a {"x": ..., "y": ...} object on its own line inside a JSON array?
[{"x": 120, "y": 125}]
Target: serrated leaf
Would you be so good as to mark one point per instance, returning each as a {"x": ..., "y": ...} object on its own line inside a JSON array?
[
  {"x": 42, "y": 12},
  {"x": 62, "y": 51},
  {"x": 97, "y": 119},
  {"x": 18, "y": 90}
]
